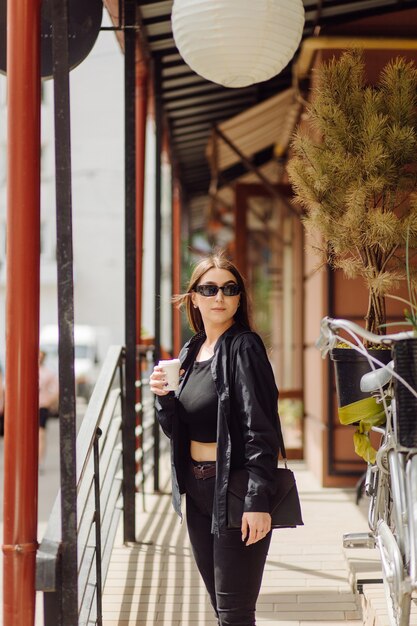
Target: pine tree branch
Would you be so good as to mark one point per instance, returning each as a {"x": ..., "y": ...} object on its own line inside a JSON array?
[
  {"x": 359, "y": 182},
  {"x": 389, "y": 257}
]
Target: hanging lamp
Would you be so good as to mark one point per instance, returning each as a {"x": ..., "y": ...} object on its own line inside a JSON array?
[{"x": 237, "y": 43}]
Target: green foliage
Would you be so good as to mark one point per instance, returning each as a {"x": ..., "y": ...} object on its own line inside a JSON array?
[{"x": 353, "y": 171}]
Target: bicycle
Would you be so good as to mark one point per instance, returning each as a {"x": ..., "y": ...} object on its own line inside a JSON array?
[{"x": 391, "y": 482}]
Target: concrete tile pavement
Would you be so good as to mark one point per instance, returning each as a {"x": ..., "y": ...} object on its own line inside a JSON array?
[
  {"x": 48, "y": 489},
  {"x": 306, "y": 580}
]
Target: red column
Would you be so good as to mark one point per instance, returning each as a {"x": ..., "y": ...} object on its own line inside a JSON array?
[
  {"x": 141, "y": 104},
  {"x": 22, "y": 313}
]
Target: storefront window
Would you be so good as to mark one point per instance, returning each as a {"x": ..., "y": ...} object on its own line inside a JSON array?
[{"x": 275, "y": 283}]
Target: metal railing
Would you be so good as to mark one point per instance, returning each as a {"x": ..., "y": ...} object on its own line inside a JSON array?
[
  {"x": 99, "y": 501},
  {"x": 147, "y": 429}
]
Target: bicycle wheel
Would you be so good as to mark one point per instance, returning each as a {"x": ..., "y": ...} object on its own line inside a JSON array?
[
  {"x": 380, "y": 498},
  {"x": 399, "y": 522},
  {"x": 411, "y": 477},
  {"x": 396, "y": 585}
]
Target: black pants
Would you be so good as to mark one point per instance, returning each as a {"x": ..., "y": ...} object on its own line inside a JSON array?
[{"x": 231, "y": 571}]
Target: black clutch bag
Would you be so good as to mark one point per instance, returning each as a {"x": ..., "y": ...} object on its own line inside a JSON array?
[
  {"x": 285, "y": 503},
  {"x": 285, "y": 508}
]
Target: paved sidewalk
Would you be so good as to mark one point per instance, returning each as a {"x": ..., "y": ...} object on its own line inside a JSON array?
[{"x": 306, "y": 581}]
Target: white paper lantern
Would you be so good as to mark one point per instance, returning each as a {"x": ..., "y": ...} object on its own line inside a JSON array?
[{"x": 237, "y": 42}]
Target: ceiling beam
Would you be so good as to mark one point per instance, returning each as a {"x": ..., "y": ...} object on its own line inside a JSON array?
[
  {"x": 181, "y": 81},
  {"x": 214, "y": 115},
  {"x": 200, "y": 139},
  {"x": 200, "y": 89},
  {"x": 177, "y": 133},
  {"x": 221, "y": 107},
  {"x": 158, "y": 19},
  {"x": 175, "y": 63}
]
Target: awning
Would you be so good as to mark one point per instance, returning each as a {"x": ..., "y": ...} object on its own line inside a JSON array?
[
  {"x": 192, "y": 104},
  {"x": 269, "y": 124}
]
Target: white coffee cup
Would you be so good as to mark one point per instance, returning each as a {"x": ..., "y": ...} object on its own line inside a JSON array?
[{"x": 171, "y": 370}]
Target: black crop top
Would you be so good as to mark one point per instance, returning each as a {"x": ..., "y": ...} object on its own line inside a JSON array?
[{"x": 198, "y": 403}]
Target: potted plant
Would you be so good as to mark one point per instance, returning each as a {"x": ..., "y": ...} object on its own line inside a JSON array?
[{"x": 354, "y": 172}]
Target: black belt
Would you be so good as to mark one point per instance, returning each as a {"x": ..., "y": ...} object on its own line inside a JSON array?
[{"x": 201, "y": 472}]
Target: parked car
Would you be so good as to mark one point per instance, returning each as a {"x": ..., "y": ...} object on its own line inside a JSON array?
[{"x": 87, "y": 354}]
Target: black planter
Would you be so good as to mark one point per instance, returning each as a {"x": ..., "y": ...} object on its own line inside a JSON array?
[
  {"x": 349, "y": 367},
  {"x": 405, "y": 364}
]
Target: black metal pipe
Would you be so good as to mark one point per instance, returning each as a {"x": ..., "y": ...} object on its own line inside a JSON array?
[
  {"x": 120, "y": 21},
  {"x": 158, "y": 224},
  {"x": 67, "y": 398},
  {"x": 97, "y": 520},
  {"x": 129, "y": 467}
]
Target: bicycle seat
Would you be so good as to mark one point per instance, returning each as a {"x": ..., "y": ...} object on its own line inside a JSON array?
[{"x": 374, "y": 380}]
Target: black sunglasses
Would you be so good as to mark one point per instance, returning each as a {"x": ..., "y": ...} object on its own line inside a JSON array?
[{"x": 231, "y": 289}]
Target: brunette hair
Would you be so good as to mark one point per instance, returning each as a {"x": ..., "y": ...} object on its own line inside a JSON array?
[{"x": 217, "y": 260}]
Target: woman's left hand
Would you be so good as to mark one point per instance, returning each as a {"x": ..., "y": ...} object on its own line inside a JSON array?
[{"x": 255, "y": 526}]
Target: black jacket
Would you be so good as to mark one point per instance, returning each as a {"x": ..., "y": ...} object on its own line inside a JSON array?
[{"x": 248, "y": 428}]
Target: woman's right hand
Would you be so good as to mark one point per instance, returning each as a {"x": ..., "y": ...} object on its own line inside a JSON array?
[{"x": 158, "y": 381}]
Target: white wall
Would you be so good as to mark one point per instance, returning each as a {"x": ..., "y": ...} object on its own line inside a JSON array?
[
  {"x": 148, "y": 270},
  {"x": 148, "y": 275},
  {"x": 97, "y": 135},
  {"x": 97, "y": 101},
  {"x": 166, "y": 252}
]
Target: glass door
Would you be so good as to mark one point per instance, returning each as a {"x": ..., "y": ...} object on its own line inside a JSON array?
[{"x": 269, "y": 241}]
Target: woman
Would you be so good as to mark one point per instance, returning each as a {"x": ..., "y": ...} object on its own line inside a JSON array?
[{"x": 223, "y": 417}]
